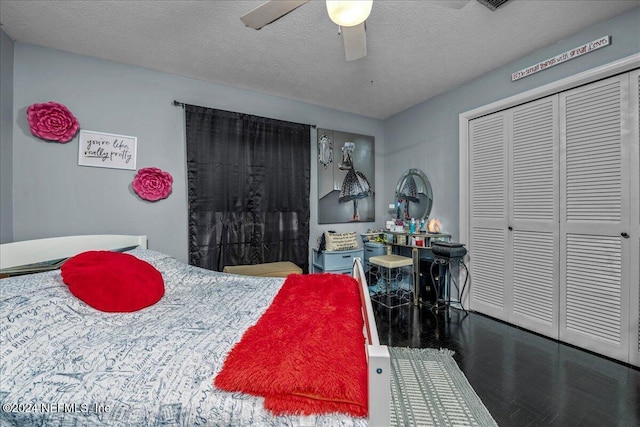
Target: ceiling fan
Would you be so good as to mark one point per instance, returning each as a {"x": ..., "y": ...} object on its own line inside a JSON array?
[{"x": 349, "y": 15}]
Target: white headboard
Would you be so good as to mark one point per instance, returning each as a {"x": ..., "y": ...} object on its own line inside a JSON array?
[{"x": 41, "y": 250}]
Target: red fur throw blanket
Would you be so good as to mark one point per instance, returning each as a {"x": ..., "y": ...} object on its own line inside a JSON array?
[{"x": 306, "y": 353}]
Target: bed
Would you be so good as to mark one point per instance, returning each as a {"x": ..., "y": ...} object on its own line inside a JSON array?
[{"x": 64, "y": 363}]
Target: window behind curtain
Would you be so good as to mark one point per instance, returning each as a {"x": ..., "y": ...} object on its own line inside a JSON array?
[{"x": 248, "y": 189}]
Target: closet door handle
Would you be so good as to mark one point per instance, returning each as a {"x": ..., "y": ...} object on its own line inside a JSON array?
[
  {"x": 510, "y": 228},
  {"x": 625, "y": 235}
]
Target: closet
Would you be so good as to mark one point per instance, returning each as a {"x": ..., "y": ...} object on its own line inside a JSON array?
[{"x": 554, "y": 216}]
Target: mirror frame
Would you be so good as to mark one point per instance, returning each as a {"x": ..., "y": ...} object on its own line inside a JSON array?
[
  {"x": 426, "y": 186},
  {"x": 325, "y": 150}
]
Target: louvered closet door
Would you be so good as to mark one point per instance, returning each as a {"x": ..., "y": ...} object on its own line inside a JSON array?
[
  {"x": 594, "y": 211},
  {"x": 634, "y": 234},
  {"x": 488, "y": 257},
  {"x": 533, "y": 216}
]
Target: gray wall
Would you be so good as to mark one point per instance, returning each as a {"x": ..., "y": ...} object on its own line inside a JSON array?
[
  {"x": 429, "y": 131},
  {"x": 53, "y": 196},
  {"x": 6, "y": 138}
]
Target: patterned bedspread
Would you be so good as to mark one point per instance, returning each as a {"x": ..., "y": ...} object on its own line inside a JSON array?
[{"x": 63, "y": 363}]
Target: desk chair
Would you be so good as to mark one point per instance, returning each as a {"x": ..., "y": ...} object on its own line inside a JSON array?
[
  {"x": 448, "y": 254},
  {"x": 387, "y": 264}
]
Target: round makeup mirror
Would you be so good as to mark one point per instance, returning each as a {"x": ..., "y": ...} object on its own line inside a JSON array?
[{"x": 414, "y": 196}]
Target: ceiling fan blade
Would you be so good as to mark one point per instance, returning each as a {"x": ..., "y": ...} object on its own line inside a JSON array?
[
  {"x": 269, "y": 12},
  {"x": 355, "y": 41},
  {"x": 451, "y": 4}
]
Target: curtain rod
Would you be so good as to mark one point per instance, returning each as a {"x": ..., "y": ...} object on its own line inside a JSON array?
[{"x": 182, "y": 104}]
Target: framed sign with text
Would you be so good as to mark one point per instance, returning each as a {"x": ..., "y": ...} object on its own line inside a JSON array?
[{"x": 107, "y": 150}]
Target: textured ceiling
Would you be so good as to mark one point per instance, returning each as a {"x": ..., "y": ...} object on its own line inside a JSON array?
[{"x": 416, "y": 49}]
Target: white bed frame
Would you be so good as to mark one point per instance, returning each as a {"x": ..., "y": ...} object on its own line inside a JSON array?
[
  {"x": 42, "y": 250},
  {"x": 378, "y": 360}
]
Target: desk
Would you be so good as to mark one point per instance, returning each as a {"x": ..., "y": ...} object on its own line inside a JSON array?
[{"x": 392, "y": 238}]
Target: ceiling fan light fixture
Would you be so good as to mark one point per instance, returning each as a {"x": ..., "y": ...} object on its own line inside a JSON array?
[{"x": 349, "y": 13}]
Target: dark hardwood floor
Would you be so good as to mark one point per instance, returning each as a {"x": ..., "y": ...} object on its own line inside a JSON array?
[{"x": 522, "y": 378}]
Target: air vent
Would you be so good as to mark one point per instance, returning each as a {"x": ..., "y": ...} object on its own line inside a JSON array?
[{"x": 493, "y": 4}]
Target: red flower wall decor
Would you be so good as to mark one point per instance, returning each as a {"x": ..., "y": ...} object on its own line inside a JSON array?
[
  {"x": 52, "y": 121},
  {"x": 152, "y": 184}
]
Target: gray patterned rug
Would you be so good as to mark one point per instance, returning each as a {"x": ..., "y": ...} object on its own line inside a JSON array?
[{"x": 429, "y": 389}]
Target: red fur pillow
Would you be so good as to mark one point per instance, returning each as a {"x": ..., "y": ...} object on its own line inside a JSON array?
[{"x": 113, "y": 281}]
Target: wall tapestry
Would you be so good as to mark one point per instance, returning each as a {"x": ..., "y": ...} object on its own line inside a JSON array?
[{"x": 345, "y": 177}]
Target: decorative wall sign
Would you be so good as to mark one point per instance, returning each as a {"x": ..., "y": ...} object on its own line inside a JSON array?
[
  {"x": 107, "y": 150},
  {"x": 563, "y": 57}
]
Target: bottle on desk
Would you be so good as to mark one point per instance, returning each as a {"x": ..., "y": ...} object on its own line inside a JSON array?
[{"x": 412, "y": 226}]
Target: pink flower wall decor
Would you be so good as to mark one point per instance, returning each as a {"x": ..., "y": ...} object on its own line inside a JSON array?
[
  {"x": 152, "y": 184},
  {"x": 52, "y": 121}
]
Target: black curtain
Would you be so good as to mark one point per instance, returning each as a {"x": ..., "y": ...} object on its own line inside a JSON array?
[{"x": 248, "y": 189}]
